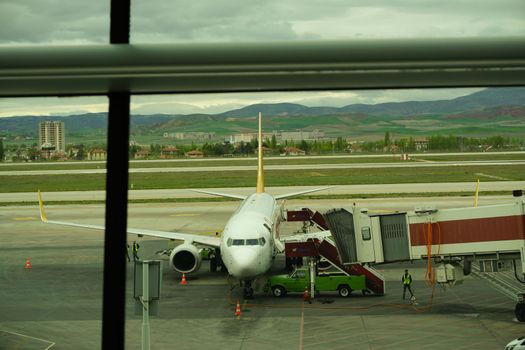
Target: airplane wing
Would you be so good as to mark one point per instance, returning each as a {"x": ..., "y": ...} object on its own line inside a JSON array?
[
  {"x": 227, "y": 195},
  {"x": 211, "y": 241},
  {"x": 288, "y": 195}
]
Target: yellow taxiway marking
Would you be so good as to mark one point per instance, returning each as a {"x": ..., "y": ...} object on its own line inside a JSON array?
[
  {"x": 175, "y": 215},
  {"x": 25, "y": 218}
]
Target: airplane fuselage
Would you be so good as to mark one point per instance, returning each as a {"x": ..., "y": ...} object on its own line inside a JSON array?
[{"x": 247, "y": 242}]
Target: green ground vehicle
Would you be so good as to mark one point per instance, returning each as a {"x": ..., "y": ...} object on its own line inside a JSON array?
[{"x": 299, "y": 279}]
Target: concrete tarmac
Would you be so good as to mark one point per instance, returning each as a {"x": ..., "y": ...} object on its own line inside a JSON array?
[{"x": 57, "y": 303}]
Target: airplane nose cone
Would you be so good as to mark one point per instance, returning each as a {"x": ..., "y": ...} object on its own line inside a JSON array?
[{"x": 244, "y": 264}]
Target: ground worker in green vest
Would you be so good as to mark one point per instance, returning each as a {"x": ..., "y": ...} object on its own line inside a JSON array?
[
  {"x": 136, "y": 247},
  {"x": 407, "y": 280}
]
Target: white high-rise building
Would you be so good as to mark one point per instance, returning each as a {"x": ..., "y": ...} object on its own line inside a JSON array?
[{"x": 52, "y": 135}]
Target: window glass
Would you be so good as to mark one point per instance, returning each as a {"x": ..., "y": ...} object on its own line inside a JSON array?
[
  {"x": 161, "y": 21},
  {"x": 364, "y": 138},
  {"x": 254, "y": 241},
  {"x": 52, "y": 274},
  {"x": 365, "y": 232},
  {"x": 72, "y": 22}
]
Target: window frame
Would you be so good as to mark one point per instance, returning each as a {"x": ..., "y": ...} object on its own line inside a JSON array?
[{"x": 119, "y": 70}]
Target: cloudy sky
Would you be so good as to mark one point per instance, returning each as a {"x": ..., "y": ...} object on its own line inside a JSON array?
[{"x": 77, "y": 22}]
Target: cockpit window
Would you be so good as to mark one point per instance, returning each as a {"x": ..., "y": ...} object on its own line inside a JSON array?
[
  {"x": 238, "y": 242},
  {"x": 253, "y": 241}
]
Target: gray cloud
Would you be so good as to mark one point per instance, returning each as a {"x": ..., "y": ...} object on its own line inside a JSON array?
[
  {"x": 80, "y": 21},
  {"x": 171, "y": 21},
  {"x": 54, "y": 21},
  {"x": 217, "y": 103}
]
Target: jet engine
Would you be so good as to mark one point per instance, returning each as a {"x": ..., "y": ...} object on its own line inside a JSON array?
[{"x": 185, "y": 258}]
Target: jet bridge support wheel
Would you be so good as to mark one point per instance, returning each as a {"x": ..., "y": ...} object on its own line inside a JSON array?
[{"x": 519, "y": 311}]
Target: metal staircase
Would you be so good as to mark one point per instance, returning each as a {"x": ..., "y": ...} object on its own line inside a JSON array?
[
  {"x": 309, "y": 216},
  {"x": 503, "y": 281},
  {"x": 374, "y": 281}
]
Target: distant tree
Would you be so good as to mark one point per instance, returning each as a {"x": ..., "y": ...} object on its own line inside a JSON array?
[
  {"x": 340, "y": 144},
  {"x": 34, "y": 153},
  {"x": 81, "y": 154},
  {"x": 133, "y": 150},
  {"x": 387, "y": 138},
  {"x": 273, "y": 142},
  {"x": 254, "y": 143},
  {"x": 304, "y": 146},
  {"x": 1, "y": 150},
  {"x": 248, "y": 149},
  {"x": 155, "y": 150}
]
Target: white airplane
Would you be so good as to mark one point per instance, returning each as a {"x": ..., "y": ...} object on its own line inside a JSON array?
[{"x": 248, "y": 244}]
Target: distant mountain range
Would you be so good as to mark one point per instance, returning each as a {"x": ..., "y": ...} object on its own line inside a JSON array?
[{"x": 490, "y": 111}]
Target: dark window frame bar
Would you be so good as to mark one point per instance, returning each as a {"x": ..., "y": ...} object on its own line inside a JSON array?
[{"x": 116, "y": 213}]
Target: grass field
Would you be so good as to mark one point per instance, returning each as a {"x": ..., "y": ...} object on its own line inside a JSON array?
[
  {"x": 207, "y": 179},
  {"x": 268, "y": 161}
]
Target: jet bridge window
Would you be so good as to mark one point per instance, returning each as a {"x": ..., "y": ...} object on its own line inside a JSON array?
[
  {"x": 365, "y": 232},
  {"x": 238, "y": 242}
]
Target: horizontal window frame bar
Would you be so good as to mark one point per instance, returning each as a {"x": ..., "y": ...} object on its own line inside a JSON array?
[{"x": 247, "y": 67}]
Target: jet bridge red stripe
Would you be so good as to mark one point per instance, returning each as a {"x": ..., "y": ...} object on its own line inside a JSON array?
[{"x": 470, "y": 230}]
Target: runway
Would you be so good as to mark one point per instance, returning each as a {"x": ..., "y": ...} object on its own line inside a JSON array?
[
  {"x": 233, "y": 167},
  {"x": 57, "y": 303}
]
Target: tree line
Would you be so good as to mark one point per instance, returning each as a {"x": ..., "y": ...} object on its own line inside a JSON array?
[{"x": 388, "y": 144}]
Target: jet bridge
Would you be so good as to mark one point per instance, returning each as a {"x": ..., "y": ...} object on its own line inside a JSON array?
[
  {"x": 495, "y": 232},
  {"x": 493, "y": 236}
]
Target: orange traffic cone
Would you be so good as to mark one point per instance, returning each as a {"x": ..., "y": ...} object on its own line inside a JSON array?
[
  {"x": 28, "y": 264},
  {"x": 183, "y": 281},
  {"x": 238, "y": 309}
]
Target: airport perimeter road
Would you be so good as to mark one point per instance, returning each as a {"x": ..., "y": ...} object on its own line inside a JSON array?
[
  {"x": 57, "y": 303},
  {"x": 233, "y": 167},
  {"x": 336, "y": 190}
]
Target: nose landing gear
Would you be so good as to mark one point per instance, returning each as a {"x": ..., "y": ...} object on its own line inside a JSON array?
[{"x": 247, "y": 289}]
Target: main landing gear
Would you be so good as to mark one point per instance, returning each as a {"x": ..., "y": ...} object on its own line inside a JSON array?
[{"x": 247, "y": 289}]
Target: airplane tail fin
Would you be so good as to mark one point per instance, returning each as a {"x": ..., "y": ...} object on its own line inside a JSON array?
[{"x": 260, "y": 167}]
